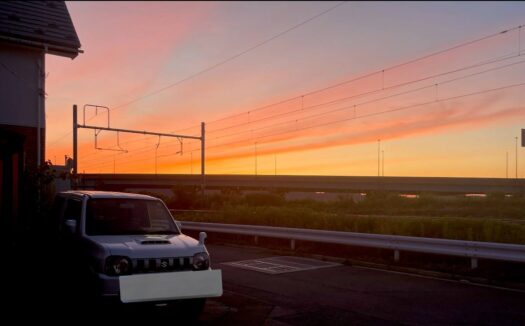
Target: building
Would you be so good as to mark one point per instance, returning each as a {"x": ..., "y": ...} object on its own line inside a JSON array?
[{"x": 28, "y": 31}]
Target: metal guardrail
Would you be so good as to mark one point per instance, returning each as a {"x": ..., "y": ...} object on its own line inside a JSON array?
[{"x": 469, "y": 249}]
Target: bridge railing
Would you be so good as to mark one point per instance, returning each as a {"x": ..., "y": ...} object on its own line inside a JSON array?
[{"x": 470, "y": 249}]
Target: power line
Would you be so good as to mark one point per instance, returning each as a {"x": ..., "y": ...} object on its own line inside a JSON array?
[
  {"x": 377, "y": 113},
  {"x": 325, "y": 88},
  {"x": 145, "y": 139},
  {"x": 250, "y": 141},
  {"x": 382, "y": 71},
  {"x": 230, "y": 58},
  {"x": 223, "y": 61},
  {"x": 363, "y": 103},
  {"x": 455, "y": 47},
  {"x": 372, "y": 101},
  {"x": 148, "y": 148},
  {"x": 477, "y": 65}
]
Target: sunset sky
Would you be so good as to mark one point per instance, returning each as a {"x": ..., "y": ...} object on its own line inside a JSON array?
[{"x": 267, "y": 94}]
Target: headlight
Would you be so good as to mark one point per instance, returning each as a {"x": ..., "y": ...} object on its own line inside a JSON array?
[
  {"x": 201, "y": 261},
  {"x": 118, "y": 265}
]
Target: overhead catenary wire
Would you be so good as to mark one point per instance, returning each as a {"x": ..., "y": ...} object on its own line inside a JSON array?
[
  {"x": 249, "y": 142},
  {"x": 230, "y": 58},
  {"x": 220, "y": 63},
  {"x": 302, "y": 109},
  {"x": 382, "y": 86},
  {"x": 353, "y": 106},
  {"x": 368, "y": 93},
  {"x": 317, "y": 90},
  {"x": 455, "y": 47},
  {"x": 377, "y": 113},
  {"x": 372, "y": 101}
]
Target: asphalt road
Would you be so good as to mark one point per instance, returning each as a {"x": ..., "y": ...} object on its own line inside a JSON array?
[
  {"x": 340, "y": 295},
  {"x": 350, "y": 295}
]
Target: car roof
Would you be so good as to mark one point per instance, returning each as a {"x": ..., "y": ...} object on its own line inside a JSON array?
[{"x": 106, "y": 194}]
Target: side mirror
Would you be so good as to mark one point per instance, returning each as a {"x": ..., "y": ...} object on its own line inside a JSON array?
[
  {"x": 179, "y": 224},
  {"x": 71, "y": 226},
  {"x": 202, "y": 237}
]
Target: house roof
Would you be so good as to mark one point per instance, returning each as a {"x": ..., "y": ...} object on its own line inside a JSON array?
[{"x": 41, "y": 24}]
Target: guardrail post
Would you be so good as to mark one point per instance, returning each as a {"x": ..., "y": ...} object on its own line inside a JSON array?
[
  {"x": 473, "y": 263},
  {"x": 292, "y": 244},
  {"x": 396, "y": 255}
]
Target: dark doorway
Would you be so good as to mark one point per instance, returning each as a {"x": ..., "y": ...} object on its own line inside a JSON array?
[{"x": 11, "y": 168}]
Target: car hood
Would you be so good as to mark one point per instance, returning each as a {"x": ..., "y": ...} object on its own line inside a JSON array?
[{"x": 150, "y": 246}]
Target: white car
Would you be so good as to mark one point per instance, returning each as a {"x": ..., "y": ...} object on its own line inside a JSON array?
[{"x": 128, "y": 246}]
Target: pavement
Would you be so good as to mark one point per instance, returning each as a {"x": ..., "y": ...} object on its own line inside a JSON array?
[
  {"x": 337, "y": 295},
  {"x": 350, "y": 295}
]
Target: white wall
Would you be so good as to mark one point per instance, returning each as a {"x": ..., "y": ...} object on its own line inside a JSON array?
[{"x": 19, "y": 95}]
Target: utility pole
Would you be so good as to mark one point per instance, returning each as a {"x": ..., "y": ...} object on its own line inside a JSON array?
[
  {"x": 507, "y": 166},
  {"x": 516, "y": 138},
  {"x": 275, "y": 163},
  {"x": 378, "y": 157},
  {"x": 75, "y": 140},
  {"x": 383, "y": 163},
  {"x": 203, "y": 148},
  {"x": 255, "y": 152},
  {"x": 191, "y": 162}
]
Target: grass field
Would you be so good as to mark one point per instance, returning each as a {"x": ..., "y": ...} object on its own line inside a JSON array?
[{"x": 495, "y": 218}]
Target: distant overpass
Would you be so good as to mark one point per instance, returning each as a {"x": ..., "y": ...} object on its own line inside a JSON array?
[{"x": 305, "y": 183}]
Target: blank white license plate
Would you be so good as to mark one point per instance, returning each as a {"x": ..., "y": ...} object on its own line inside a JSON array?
[{"x": 170, "y": 286}]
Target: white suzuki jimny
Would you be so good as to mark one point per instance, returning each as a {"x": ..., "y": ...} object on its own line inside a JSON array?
[{"x": 128, "y": 246}]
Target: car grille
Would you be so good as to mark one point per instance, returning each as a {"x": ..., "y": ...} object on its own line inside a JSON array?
[{"x": 159, "y": 265}]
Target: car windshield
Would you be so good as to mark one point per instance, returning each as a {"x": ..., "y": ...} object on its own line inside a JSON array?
[{"x": 119, "y": 216}]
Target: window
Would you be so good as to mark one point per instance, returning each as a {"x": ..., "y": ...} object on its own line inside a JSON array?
[
  {"x": 73, "y": 210},
  {"x": 117, "y": 216}
]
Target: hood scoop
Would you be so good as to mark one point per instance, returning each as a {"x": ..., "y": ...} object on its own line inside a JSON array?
[{"x": 154, "y": 242}]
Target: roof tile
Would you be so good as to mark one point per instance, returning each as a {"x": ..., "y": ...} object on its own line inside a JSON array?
[{"x": 46, "y": 22}]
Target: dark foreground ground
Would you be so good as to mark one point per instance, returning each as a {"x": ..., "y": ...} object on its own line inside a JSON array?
[{"x": 341, "y": 295}]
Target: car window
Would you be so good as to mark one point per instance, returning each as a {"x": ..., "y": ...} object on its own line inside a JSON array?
[
  {"x": 117, "y": 216},
  {"x": 73, "y": 210}
]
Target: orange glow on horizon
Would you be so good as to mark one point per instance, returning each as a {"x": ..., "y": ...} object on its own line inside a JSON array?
[{"x": 305, "y": 132}]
